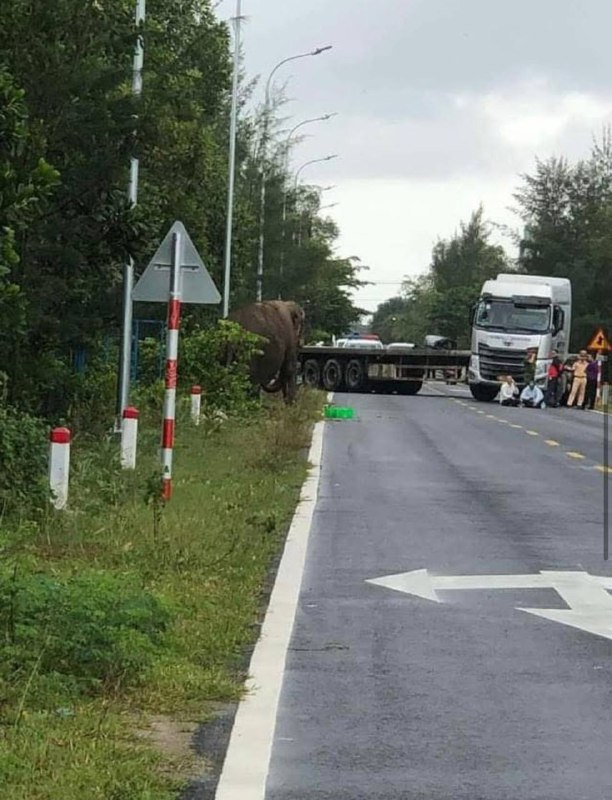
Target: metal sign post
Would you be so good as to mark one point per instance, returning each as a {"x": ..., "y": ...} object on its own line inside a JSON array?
[
  {"x": 606, "y": 452},
  {"x": 123, "y": 388},
  {"x": 176, "y": 274}
]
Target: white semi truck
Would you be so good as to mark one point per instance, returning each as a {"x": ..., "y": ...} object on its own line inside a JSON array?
[{"x": 517, "y": 314}]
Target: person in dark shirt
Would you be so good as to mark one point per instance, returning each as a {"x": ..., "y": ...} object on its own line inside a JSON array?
[
  {"x": 590, "y": 394},
  {"x": 553, "y": 386}
]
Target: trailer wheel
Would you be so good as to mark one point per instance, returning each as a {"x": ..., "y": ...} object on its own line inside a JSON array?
[
  {"x": 311, "y": 373},
  {"x": 354, "y": 375},
  {"x": 332, "y": 375}
]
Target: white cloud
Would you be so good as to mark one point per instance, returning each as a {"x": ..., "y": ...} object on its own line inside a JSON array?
[{"x": 534, "y": 115}]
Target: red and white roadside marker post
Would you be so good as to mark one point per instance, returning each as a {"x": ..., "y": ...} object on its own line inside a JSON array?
[
  {"x": 129, "y": 437},
  {"x": 59, "y": 467},
  {"x": 196, "y": 404},
  {"x": 172, "y": 338},
  {"x": 178, "y": 264}
]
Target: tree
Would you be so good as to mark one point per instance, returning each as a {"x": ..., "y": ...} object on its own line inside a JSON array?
[
  {"x": 567, "y": 212},
  {"x": 439, "y": 302}
]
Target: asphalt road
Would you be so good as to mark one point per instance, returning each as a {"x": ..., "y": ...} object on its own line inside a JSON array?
[{"x": 392, "y": 695}]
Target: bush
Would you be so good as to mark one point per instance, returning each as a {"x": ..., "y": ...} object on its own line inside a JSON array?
[
  {"x": 23, "y": 461},
  {"x": 203, "y": 358},
  {"x": 88, "y": 632}
]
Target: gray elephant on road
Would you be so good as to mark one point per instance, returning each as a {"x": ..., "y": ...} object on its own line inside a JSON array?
[{"x": 281, "y": 324}]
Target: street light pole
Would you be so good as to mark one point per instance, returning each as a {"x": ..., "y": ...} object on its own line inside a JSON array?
[
  {"x": 125, "y": 359},
  {"x": 308, "y": 163},
  {"x": 299, "y": 172},
  {"x": 322, "y": 118},
  {"x": 232, "y": 160},
  {"x": 264, "y": 146}
]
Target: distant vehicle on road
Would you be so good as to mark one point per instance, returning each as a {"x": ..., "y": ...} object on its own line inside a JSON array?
[
  {"x": 363, "y": 344},
  {"x": 400, "y": 346},
  {"x": 518, "y": 317}
]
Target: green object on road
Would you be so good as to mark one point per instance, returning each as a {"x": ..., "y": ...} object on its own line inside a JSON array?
[{"x": 338, "y": 412}]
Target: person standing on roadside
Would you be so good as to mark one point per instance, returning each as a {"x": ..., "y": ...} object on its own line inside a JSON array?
[
  {"x": 592, "y": 372},
  {"x": 554, "y": 380},
  {"x": 579, "y": 381},
  {"x": 529, "y": 364}
]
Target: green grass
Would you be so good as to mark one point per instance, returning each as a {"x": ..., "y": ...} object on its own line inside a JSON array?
[{"x": 94, "y": 580}]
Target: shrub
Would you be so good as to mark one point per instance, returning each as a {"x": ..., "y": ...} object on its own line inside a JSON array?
[
  {"x": 89, "y": 631},
  {"x": 203, "y": 358},
  {"x": 23, "y": 461}
]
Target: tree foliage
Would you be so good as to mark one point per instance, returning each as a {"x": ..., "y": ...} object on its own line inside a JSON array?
[
  {"x": 439, "y": 302},
  {"x": 69, "y": 125},
  {"x": 567, "y": 212}
]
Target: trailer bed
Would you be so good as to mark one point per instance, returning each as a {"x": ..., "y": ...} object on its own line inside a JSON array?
[{"x": 366, "y": 369}]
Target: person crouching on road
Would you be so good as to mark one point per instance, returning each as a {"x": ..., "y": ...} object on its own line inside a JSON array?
[
  {"x": 592, "y": 372},
  {"x": 532, "y": 396},
  {"x": 579, "y": 381},
  {"x": 508, "y": 394},
  {"x": 553, "y": 387}
]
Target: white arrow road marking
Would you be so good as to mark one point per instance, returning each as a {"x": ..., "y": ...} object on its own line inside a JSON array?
[{"x": 590, "y": 605}]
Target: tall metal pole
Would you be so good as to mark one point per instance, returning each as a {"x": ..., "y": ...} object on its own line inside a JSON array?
[
  {"x": 264, "y": 156},
  {"x": 322, "y": 118},
  {"x": 128, "y": 271},
  {"x": 232, "y": 160},
  {"x": 297, "y": 178}
]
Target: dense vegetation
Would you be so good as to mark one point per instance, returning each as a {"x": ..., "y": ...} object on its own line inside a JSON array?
[
  {"x": 566, "y": 211},
  {"x": 121, "y": 608},
  {"x": 68, "y": 127}
]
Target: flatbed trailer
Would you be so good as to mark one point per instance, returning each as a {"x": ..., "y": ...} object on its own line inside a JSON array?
[{"x": 367, "y": 369}]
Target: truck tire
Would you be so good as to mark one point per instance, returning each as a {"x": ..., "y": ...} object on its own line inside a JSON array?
[
  {"x": 484, "y": 394},
  {"x": 332, "y": 375},
  {"x": 311, "y": 373},
  {"x": 410, "y": 388},
  {"x": 354, "y": 375}
]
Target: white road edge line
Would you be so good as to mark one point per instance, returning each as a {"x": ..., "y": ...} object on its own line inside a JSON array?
[{"x": 247, "y": 761}]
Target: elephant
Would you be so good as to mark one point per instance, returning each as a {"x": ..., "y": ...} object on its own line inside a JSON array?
[{"x": 281, "y": 323}]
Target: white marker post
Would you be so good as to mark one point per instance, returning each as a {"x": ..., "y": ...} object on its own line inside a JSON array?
[
  {"x": 196, "y": 404},
  {"x": 59, "y": 467},
  {"x": 129, "y": 437}
]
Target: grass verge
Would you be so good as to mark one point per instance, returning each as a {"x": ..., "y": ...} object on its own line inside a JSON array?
[{"x": 120, "y": 615}]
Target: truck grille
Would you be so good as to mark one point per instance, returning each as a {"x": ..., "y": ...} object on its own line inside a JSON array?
[{"x": 495, "y": 362}]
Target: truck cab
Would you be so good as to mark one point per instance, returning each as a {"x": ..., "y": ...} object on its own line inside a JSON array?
[{"x": 517, "y": 315}]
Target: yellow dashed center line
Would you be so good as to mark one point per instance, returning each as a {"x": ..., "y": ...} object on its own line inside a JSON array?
[{"x": 549, "y": 442}]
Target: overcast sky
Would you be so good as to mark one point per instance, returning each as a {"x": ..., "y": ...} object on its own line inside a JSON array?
[{"x": 441, "y": 103}]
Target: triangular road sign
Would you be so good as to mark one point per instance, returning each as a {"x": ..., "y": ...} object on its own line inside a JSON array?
[
  {"x": 599, "y": 341},
  {"x": 196, "y": 284}
]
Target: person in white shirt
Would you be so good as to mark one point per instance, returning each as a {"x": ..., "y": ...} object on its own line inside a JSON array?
[
  {"x": 508, "y": 395},
  {"x": 532, "y": 396}
]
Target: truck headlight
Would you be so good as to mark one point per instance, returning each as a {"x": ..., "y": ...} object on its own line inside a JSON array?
[
  {"x": 541, "y": 370},
  {"x": 474, "y": 363}
]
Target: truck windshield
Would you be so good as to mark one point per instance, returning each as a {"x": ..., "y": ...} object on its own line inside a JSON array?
[{"x": 504, "y": 315}]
